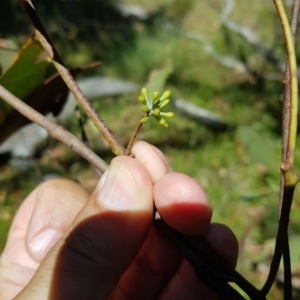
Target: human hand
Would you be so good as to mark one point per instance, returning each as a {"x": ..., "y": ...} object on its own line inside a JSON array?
[{"x": 65, "y": 244}]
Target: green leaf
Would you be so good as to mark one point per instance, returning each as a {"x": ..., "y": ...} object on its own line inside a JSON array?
[
  {"x": 26, "y": 73},
  {"x": 48, "y": 97},
  {"x": 8, "y": 51}
]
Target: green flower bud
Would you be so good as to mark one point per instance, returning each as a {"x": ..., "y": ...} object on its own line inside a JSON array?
[
  {"x": 156, "y": 112},
  {"x": 152, "y": 106},
  {"x": 167, "y": 114},
  {"x": 144, "y": 92},
  {"x": 164, "y": 103},
  {"x": 144, "y": 120},
  {"x": 163, "y": 123},
  {"x": 142, "y": 99},
  {"x": 155, "y": 96},
  {"x": 165, "y": 95},
  {"x": 145, "y": 108}
]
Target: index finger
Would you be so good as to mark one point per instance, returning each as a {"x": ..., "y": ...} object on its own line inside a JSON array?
[
  {"x": 152, "y": 159},
  {"x": 179, "y": 199}
]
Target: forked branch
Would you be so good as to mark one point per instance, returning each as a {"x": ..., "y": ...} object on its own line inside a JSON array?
[{"x": 45, "y": 41}]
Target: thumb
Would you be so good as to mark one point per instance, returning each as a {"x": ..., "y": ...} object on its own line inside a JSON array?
[{"x": 88, "y": 261}]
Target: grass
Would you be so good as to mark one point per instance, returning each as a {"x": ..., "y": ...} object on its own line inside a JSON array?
[{"x": 238, "y": 168}]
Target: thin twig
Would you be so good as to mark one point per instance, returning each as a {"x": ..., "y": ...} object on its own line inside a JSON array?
[
  {"x": 55, "y": 131},
  {"x": 45, "y": 40},
  {"x": 133, "y": 137},
  {"x": 287, "y": 93},
  {"x": 289, "y": 179},
  {"x": 281, "y": 237},
  {"x": 293, "y": 82}
]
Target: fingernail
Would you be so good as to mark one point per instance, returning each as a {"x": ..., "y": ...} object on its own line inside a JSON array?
[
  {"x": 43, "y": 242},
  {"x": 118, "y": 188}
]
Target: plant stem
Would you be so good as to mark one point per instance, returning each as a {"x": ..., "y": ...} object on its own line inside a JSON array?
[
  {"x": 285, "y": 127},
  {"x": 293, "y": 82},
  {"x": 45, "y": 41},
  {"x": 287, "y": 96},
  {"x": 133, "y": 137},
  {"x": 289, "y": 179},
  {"x": 55, "y": 131}
]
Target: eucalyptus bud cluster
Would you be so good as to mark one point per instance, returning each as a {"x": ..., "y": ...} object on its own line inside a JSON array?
[{"x": 152, "y": 106}]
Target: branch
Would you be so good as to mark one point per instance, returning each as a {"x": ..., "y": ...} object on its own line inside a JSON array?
[
  {"x": 45, "y": 41},
  {"x": 287, "y": 88},
  {"x": 285, "y": 128},
  {"x": 133, "y": 137},
  {"x": 55, "y": 131},
  {"x": 289, "y": 179}
]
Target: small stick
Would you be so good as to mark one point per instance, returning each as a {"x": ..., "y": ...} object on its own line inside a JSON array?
[{"x": 133, "y": 137}]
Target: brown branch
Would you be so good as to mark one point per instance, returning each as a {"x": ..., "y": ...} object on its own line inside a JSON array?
[
  {"x": 281, "y": 238},
  {"x": 285, "y": 130},
  {"x": 287, "y": 92},
  {"x": 133, "y": 137},
  {"x": 289, "y": 129},
  {"x": 45, "y": 40},
  {"x": 55, "y": 131}
]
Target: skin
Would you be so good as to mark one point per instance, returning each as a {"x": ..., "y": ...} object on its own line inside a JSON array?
[{"x": 104, "y": 245}]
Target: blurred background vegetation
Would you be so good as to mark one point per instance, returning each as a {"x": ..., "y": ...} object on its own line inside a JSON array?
[{"x": 227, "y": 57}]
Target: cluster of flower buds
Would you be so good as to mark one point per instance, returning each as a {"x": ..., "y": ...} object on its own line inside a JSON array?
[{"x": 152, "y": 106}]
